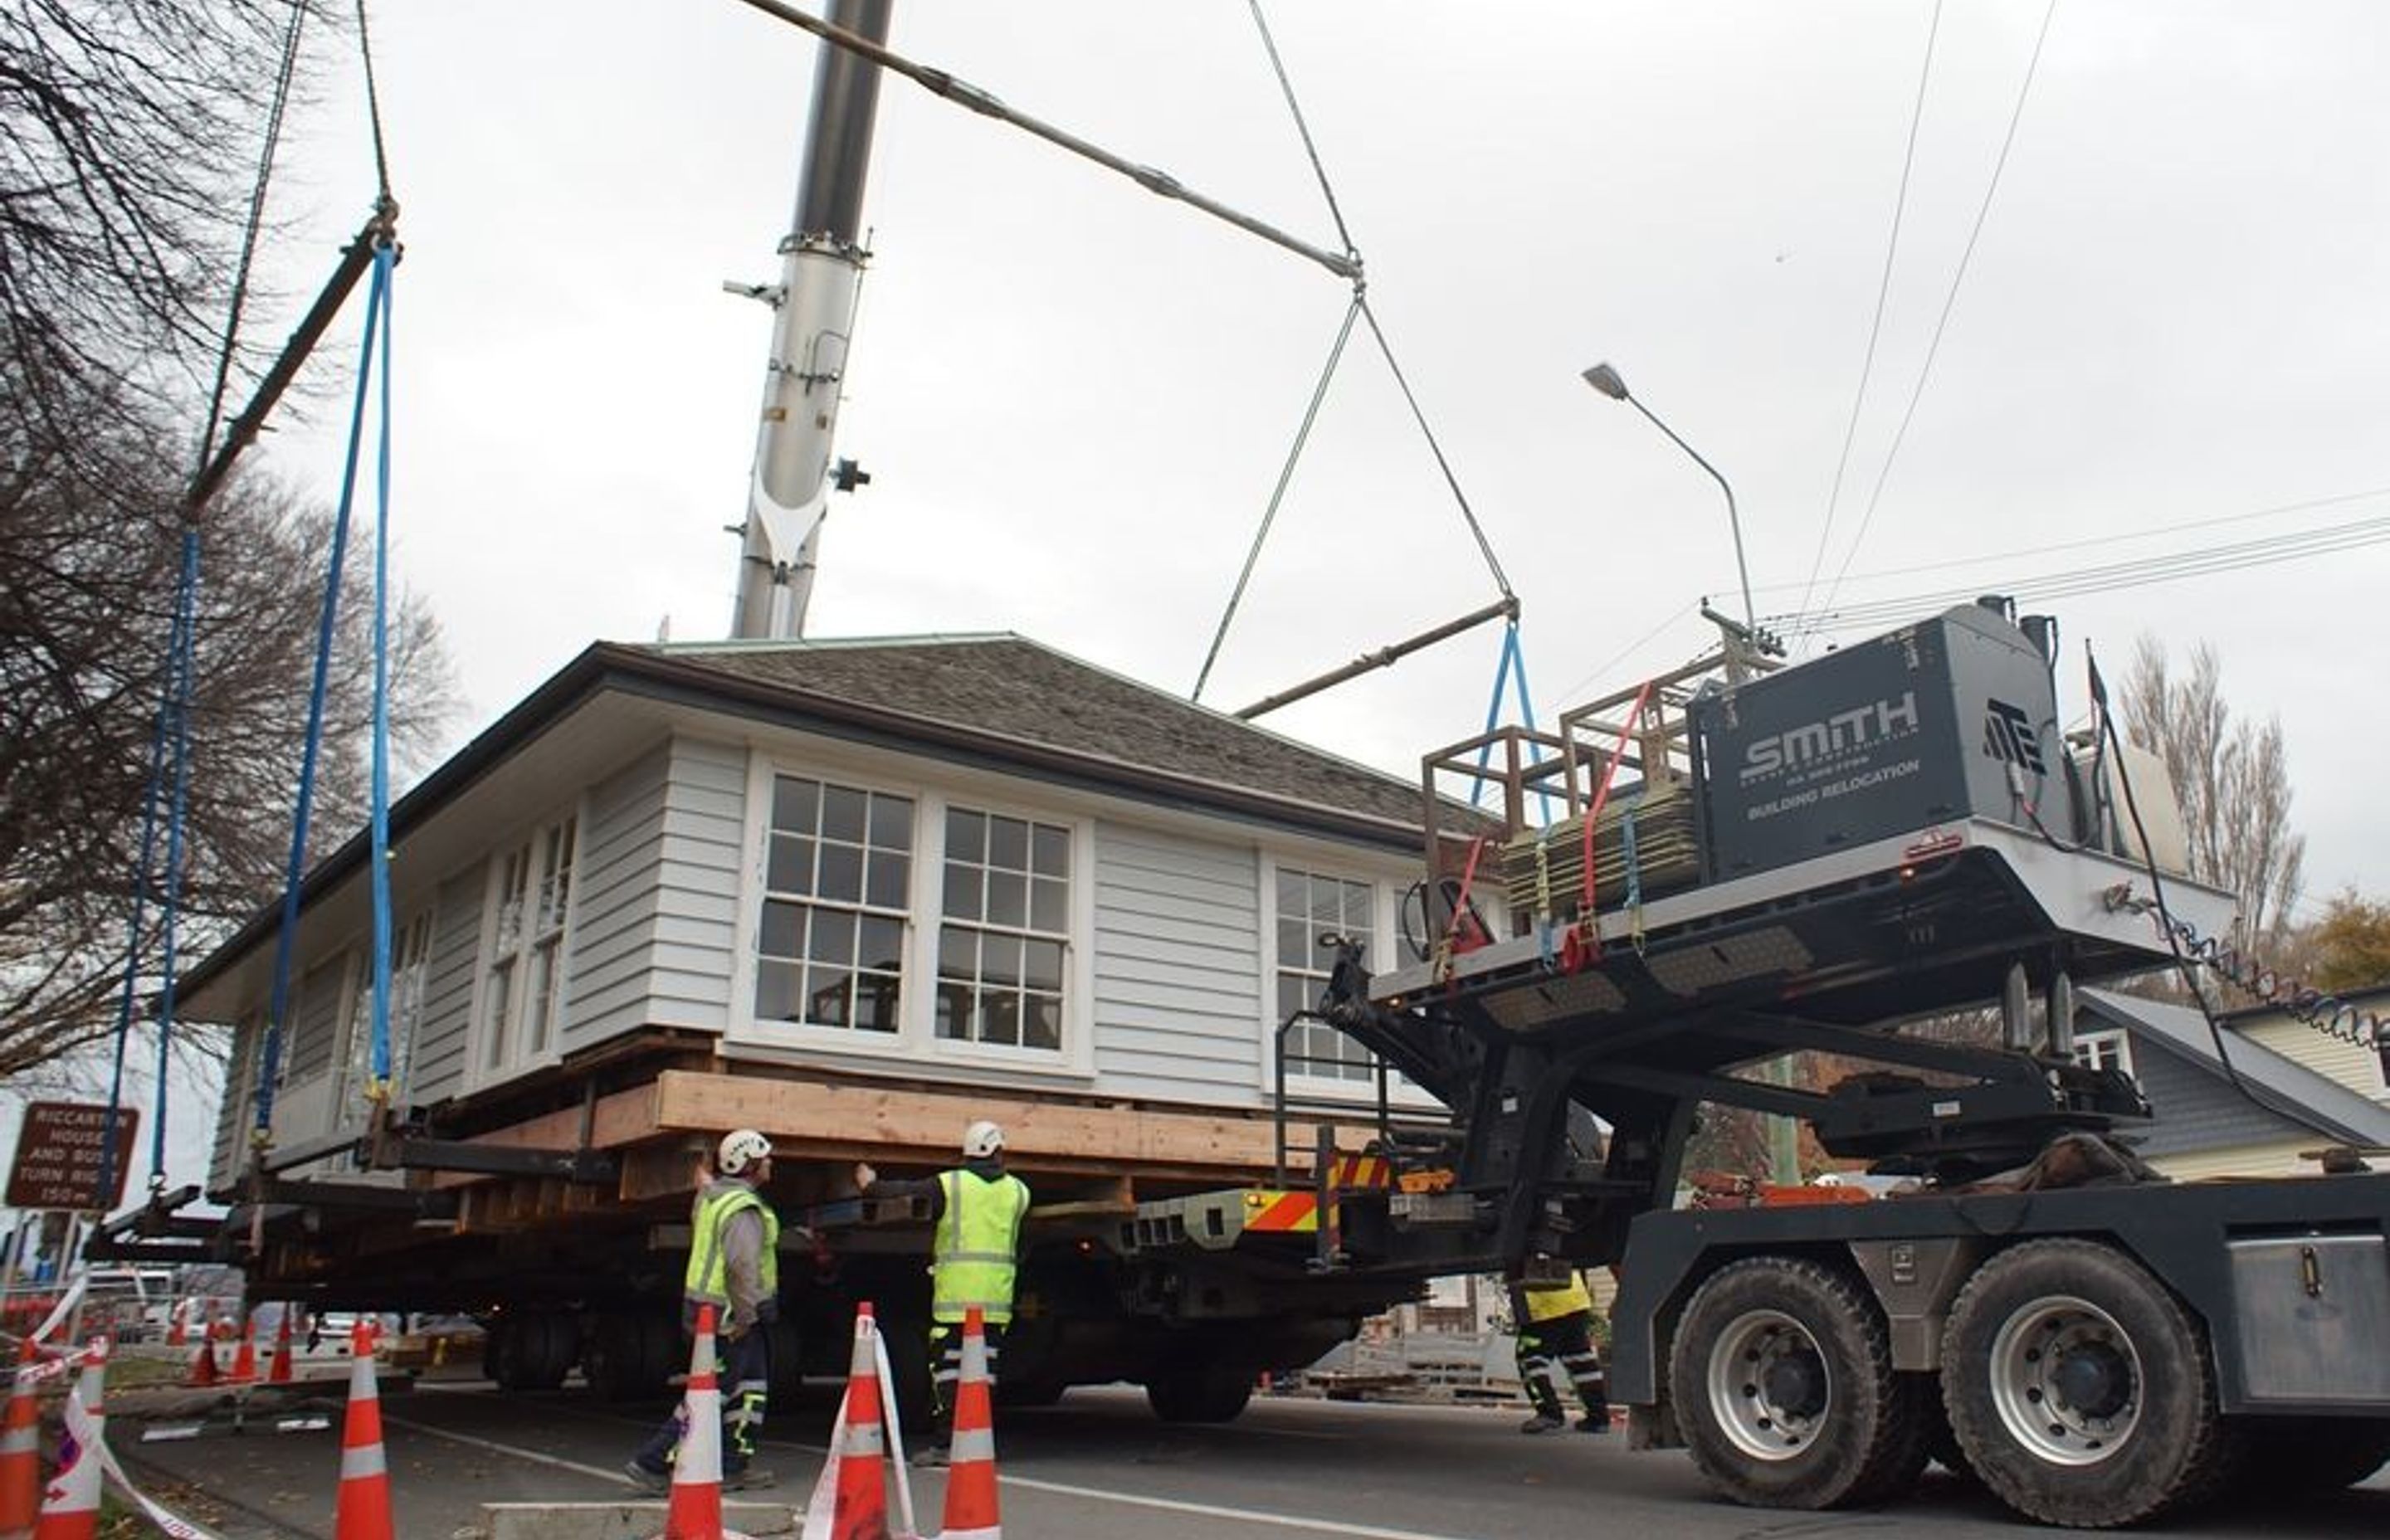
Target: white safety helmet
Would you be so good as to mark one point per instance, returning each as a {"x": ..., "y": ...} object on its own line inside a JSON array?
[
  {"x": 981, "y": 1139},
  {"x": 741, "y": 1149}
]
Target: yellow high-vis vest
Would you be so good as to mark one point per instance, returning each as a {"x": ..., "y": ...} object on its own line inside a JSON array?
[
  {"x": 1551, "y": 1300},
  {"x": 971, "y": 1254},
  {"x": 708, "y": 1279}
]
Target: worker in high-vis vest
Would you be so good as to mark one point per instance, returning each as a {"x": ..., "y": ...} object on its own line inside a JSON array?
[
  {"x": 1555, "y": 1325},
  {"x": 975, "y": 1212},
  {"x": 734, "y": 1265}
]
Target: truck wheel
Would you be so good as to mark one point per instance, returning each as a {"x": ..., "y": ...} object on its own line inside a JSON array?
[
  {"x": 1203, "y": 1392},
  {"x": 627, "y": 1355},
  {"x": 2295, "y": 1455},
  {"x": 2080, "y": 1387},
  {"x": 1782, "y": 1378},
  {"x": 788, "y": 1362},
  {"x": 534, "y": 1351}
]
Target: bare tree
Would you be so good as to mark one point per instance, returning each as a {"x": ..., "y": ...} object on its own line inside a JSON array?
[
  {"x": 2231, "y": 777},
  {"x": 89, "y": 566},
  {"x": 129, "y": 134}
]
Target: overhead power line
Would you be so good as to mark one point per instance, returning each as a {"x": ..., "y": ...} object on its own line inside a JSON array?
[
  {"x": 2238, "y": 556},
  {"x": 1949, "y": 303}
]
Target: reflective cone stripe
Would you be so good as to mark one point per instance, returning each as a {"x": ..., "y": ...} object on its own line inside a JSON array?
[
  {"x": 70, "y": 1502},
  {"x": 862, "y": 1510},
  {"x": 244, "y": 1361},
  {"x": 970, "y": 1512},
  {"x": 20, "y": 1453},
  {"x": 280, "y": 1373},
  {"x": 696, "y": 1509},
  {"x": 362, "y": 1510}
]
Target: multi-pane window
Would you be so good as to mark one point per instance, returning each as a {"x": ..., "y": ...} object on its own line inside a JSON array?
[
  {"x": 410, "y": 962},
  {"x": 2103, "y": 1050},
  {"x": 501, "y": 985},
  {"x": 1311, "y": 904},
  {"x": 836, "y": 879},
  {"x": 1004, "y": 930},
  {"x": 522, "y": 988},
  {"x": 552, "y": 902}
]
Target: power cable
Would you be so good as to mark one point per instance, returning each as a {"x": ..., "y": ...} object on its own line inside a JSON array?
[
  {"x": 2108, "y": 577},
  {"x": 2151, "y": 534},
  {"x": 1882, "y": 292},
  {"x": 1949, "y": 303}
]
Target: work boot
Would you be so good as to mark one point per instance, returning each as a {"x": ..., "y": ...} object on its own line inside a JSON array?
[
  {"x": 1596, "y": 1420},
  {"x": 1542, "y": 1423},
  {"x": 746, "y": 1478},
  {"x": 646, "y": 1480},
  {"x": 932, "y": 1455}
]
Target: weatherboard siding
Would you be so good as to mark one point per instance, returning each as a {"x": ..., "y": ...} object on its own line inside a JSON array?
[
  {"x": 315, "y": 1022},
  {"x": 238, "y": 1112},
  {"x": 619, "y": 871},
  {"x": 1177, "y": 968},
  {"x": 440, "y": 1037},
  {"x": 2353, "y": 1064},
  {"x": 2199, "y": 1112},
  {"x": 699, "y": 855}
]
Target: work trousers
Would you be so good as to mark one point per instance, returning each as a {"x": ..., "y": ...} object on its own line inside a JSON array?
[
  {"x": 745, "y": 1376},
  {"x": 1557, "y": 1349},
  {"x": 946, "y": 1370}
]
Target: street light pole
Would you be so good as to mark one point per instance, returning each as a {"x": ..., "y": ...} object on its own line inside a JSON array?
[
  {"x": 1608, "y": 380},
  {"x": 1785, "y": 1134}
]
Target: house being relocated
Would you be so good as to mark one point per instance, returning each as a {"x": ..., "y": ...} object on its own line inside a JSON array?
[{"x": 965, "y": 860}]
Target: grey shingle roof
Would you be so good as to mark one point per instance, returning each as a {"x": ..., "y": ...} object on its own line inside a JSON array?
[{"x": 1015, "y": 689}]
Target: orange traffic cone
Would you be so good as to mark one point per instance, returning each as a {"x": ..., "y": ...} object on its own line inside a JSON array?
[
  {"x": 177, "y": 1322},
  {"x": 971, "y": 1480},
  {"x": 70, "y": 1503},
  {"x": 244, "y": 1361},
  {"x": 20, "y": 1453},
  {"x": 696, "y": 1509},
  {"x": 280, "y": 1373},
  {"x": 362, "y": 1510},
  {"x": 203, "y": 1362},
  {"x": 856, "y": 1474}
]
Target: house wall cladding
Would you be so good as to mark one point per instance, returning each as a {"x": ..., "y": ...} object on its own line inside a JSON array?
[
  {"x": 699, "y": 856},
  {"x": 620, "y": 869},
  {"x": 2352, "y": 1064},
  {"x": 315, "y": 1022},
  {"x": 1177, "y": 971},
  {"x": 238, "y": 1111},
  {"x": 2196, "y": 1111},
  {"x": 440, "y": 1037}
]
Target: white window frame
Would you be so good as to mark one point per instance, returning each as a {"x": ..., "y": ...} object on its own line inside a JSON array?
[
  {"x": 1384, "y": 943},
  {"x": 915, "y": 1039},
  {"x": 409, "y": 968},
  {"x": 760, "y": 891},
  {"x": 2106, "y": 1049},
  {"x": 540, "y": 934}
]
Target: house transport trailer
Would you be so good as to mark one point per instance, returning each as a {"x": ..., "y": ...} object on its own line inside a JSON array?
[
  {"x": 855, "y": 895},
  {"x": 1809, "y": 859}
]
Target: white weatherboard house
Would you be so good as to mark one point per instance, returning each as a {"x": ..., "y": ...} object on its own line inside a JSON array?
[{"x": 966, "y": 860}]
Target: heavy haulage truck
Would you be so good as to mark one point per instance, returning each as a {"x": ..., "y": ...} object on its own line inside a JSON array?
[{"x": 1805, "y": 860}]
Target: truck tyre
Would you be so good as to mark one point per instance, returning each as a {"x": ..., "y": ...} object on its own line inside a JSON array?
[
  {"x": 1199, "y": 1393},
  {"x": 533, "y": 1349},
  {"x": 2080, "y": 1387},
  {"x": 788, "y": 1362},
  {"x": 1780, "y": 1375},
  {"x": 627, "y": 1355},
  {"x": 2297, "y": 1455}
]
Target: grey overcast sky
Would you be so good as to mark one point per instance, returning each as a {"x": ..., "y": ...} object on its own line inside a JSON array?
[{"x": 1074, "y": 397}]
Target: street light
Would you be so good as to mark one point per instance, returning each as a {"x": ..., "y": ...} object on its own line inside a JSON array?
[
  {"x": 1783, "y": 1135},
  {"x": 1603, "y": 378}
]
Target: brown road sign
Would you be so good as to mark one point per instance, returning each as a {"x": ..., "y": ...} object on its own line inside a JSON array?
[{"x": 58, "y": 1157}]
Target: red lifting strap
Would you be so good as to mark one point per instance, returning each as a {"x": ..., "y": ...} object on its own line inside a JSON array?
[{"x": 1589, "y": 925}]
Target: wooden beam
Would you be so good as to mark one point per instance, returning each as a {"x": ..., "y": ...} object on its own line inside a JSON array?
[{"x": 809, "y": 1119}]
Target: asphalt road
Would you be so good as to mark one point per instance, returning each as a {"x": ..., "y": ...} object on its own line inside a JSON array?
[{"x": 1099, "y": 1466}]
